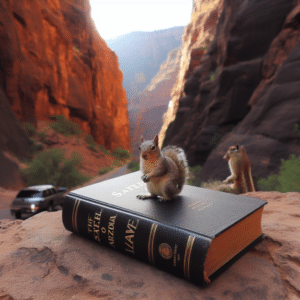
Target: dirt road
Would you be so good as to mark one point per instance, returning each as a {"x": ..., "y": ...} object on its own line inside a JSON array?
[{"x": 6, "y": 197}]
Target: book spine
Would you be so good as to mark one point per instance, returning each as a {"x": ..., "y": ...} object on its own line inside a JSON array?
[{"x": 174, "y": 250}]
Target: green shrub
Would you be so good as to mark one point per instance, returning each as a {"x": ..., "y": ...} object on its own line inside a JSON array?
[
  {"x": 194, "y": 182},
  {"x": 194, "y": 172},
  {"x": 121, "y": 154},
  {"x": 65, "y": 126},
  {"x": 105, "y": 170},
  {"x": 89, "y": 139},
  {"x": 69, "y": 174},
  {"x": 34, "y": 146},
  {"x": 296, "y": 129},
  {"x": 288, "y": 179},
  {"x": 134, "y": 166},
  {"x": 29, "y": 129},
  {"x": 93, "y": 147},
  {"x": 42, "y": 135},
  {"x": 117, "y": 163},
  {"x": 49, "y": 167},
  {"x": 269, "y": 184},
  {"x": 213, "y": 74},
  {"x": 103, "y": 149}
]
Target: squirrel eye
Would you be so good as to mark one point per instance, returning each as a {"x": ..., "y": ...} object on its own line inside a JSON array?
[
  {"x": 139, "y": 147},
  {"x": 152, "y": 147}
]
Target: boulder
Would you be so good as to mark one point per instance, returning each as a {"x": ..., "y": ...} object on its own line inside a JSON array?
[{"x": 40, "y": 259}]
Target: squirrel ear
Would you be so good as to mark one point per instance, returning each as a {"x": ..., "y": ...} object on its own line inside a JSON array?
[
  {"x": 237, "y": 147},
  {"x": 142, "y": 139},
  {"x": 156, "y": 140}
]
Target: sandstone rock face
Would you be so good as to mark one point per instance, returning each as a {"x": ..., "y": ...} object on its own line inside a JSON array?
[
  {"x": 14, "y": 143},
  {"x": 197, "y": 36},
  {"x": 41, "y": 260},
  {"x": 244, "y": 90},
  {"x": 154, "y": 101},
  {"x": 53, "y": 61},
  {"x": 140, "y": 55}
]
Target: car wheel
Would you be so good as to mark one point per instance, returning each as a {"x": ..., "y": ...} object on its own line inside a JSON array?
[
  {"x": 50, "y": 207},
  {"x": 18, "y": 215}
]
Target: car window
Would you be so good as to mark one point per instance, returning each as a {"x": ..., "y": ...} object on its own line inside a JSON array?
[
  {"x": 28, "y": 194},
  {"x": 46, "y": 193}
]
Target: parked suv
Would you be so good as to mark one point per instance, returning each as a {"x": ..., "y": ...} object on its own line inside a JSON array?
[{"x": 37, "y": 198}]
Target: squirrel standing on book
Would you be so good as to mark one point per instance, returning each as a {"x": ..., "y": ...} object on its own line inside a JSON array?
[
  {"x": 240, "y": 169},
  {"x": 165, "y": 171}
]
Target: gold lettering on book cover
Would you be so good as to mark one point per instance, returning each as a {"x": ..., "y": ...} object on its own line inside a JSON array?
[
  {"x": 74, "y": 215},
  {"x": 90, "y": 224},
  {"x": 129, "y": 235},
  {"x": 187, "y": 256},
  {"x": 96, "y": 226},
  {"x": 201, "y": 205},
  {"x": 151, "y": 243},
  {"x": 111, "y": 230}
]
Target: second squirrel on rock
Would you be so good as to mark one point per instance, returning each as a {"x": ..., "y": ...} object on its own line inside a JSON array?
[{"x": 165, "y": 171}]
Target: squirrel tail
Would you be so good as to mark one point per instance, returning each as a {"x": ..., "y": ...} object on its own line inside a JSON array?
[{"x": 178, "y": 156}]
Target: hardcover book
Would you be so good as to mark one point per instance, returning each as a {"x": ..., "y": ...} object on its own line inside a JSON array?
[{"x": 196, "y": 235}]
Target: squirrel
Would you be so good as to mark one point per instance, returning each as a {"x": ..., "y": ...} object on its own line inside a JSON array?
[
  {"x": 165, "y": 171},
  {"x": 240, "y": 168}
]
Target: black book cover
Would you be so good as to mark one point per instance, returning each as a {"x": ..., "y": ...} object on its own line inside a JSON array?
[{"x": 175, "y": 235}]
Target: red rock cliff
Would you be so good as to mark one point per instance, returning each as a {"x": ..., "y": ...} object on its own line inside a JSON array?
[
  {"x": 53, "y": 61},
  {"x": 245, "y": 89}
]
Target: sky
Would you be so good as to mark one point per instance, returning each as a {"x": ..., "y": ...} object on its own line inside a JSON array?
[{"x": 114, "y": 18}]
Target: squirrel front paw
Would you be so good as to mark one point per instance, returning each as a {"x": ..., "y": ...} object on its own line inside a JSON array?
[
  {"x": 146, "y": 178},
  {"x": 227, "y": 180}
]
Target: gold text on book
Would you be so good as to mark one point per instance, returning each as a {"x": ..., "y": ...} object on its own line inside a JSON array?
[
  {"x": 111, "y": 230},
  {"x": 201, "y": 205},
  {"x": 129, "y": 235},
  {"x": 96, "y": 225}
]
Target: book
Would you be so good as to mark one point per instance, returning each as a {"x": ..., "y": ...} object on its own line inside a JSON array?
[{"x": 196, "y": 235}]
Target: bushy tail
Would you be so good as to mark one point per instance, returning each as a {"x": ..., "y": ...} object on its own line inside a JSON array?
[{"x": 178, "y": 156}]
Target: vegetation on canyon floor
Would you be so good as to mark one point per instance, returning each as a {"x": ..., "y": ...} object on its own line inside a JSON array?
[
  {"x": 287, "y": 180},
  {"x": 52, "y": 165}
]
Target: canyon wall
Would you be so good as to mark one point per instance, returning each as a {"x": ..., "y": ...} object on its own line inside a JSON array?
[
  {"x": 140, "y": 56},
  {"x": 53, "y": 61},
  {"x": 245, "y": 88},
  {"x": 154, "y": 101},
  {"x": 14, "y": 145}
]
